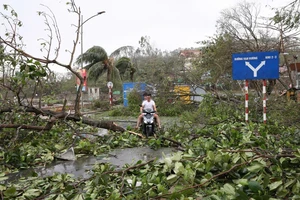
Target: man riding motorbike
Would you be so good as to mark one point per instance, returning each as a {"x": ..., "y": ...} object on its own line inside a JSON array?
[{"x": 148, "y": 103}]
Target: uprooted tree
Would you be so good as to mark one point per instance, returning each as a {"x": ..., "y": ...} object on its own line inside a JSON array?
[{"x": 24, "y": 76}]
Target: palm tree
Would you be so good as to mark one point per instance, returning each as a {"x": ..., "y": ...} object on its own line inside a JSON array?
[
  {"x": 124, "y": 51},
  {"x": 98, "y": 62},
  {"x": 124, "y": 64}
]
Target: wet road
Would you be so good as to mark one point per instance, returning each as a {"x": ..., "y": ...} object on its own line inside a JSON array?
[{"x": 82, "y": 166}]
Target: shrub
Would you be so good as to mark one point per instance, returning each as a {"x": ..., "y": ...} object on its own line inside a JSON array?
[
  {"x": 119, "y": 101},
  {"x": 212, "y": 110},
  {"x": 122, "y": 111},
  {"x": 103, "y": 105},
  {"x": 176, "y": 108}
]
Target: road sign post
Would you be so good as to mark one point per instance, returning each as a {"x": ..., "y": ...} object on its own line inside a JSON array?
[
  {"x": 110, "y": 86},
  {"x": 255, "y": 66},
  {"x": 265, "y": 100},
  {"x": 246, "y": 100}
]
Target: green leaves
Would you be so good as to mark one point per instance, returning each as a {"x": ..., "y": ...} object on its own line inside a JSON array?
[
  {"x": 275, "y": 185},
  {"x": 32, "y": 193},
  {"x": 179, "y": 168},
  {"x": 171, "y": 177},
  {"x": 254, "y": 186},
  {"x": 255, "y": 167},
  {"x": 3, "y": 177},
  {"x": 10, "y": 192},
  {"x": 229, "y": 189},
  {"x": 32, "y": 70}
]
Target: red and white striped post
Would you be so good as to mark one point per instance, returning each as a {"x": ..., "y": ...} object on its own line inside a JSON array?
[
  {"x": 265, "y": 100},
  {"x": 246, "y": 100},
  {"x": 110, "y": 96},
  {"x": 110, "y": 86}
]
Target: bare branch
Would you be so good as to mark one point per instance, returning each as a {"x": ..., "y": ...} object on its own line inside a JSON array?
[{"x": 56, "y": 29}]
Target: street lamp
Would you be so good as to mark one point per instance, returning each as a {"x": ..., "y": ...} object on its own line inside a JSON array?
[
  {"x": 81, "y": 30},
  {"x": 81, "y": 41}
]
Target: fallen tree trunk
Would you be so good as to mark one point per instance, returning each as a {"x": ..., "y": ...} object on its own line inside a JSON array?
[
  {"x": 24, "y": 126},
  {"x": 110, "y": 125}
]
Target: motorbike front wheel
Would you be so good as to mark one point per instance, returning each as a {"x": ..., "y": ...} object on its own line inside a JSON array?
[{"x": 149, "y": 131}]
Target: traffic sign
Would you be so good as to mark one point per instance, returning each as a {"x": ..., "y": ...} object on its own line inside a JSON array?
[
  {"x": 255, "y": 65},
  {"x": 110, "y": 84}
]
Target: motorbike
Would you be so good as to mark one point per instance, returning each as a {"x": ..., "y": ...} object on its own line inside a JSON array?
[{"x": 148, "y": 123}]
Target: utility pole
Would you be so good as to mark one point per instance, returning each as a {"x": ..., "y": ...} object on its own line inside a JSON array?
[{"x": 81, "y": 41}]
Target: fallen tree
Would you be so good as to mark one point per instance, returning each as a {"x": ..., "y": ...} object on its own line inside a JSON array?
[
  {"x": 54, "y": 116},
  {"x": 22, "y": 70}
]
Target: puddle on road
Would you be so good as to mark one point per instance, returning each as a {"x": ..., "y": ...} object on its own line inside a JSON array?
[{"x": 80, "y": 167}]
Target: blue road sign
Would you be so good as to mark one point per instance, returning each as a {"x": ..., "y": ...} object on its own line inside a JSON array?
[{"x": 255, "y": 65}]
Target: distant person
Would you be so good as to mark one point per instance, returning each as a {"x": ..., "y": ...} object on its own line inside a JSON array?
[{"x": 148, "y": 103}]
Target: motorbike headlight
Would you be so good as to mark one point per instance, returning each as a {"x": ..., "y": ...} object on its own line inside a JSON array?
[
  {"x": 151, "y": 121},
  {"x": 145, "y": 122}
]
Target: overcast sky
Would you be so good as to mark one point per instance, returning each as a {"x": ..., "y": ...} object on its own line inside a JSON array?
[{"x": 169, "y": 23}]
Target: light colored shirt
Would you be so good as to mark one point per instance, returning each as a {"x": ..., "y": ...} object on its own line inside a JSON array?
[{"x": 148, "y": 105}]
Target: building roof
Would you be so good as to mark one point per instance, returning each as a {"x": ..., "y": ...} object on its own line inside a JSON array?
[{"x": 188, "y": 53}]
